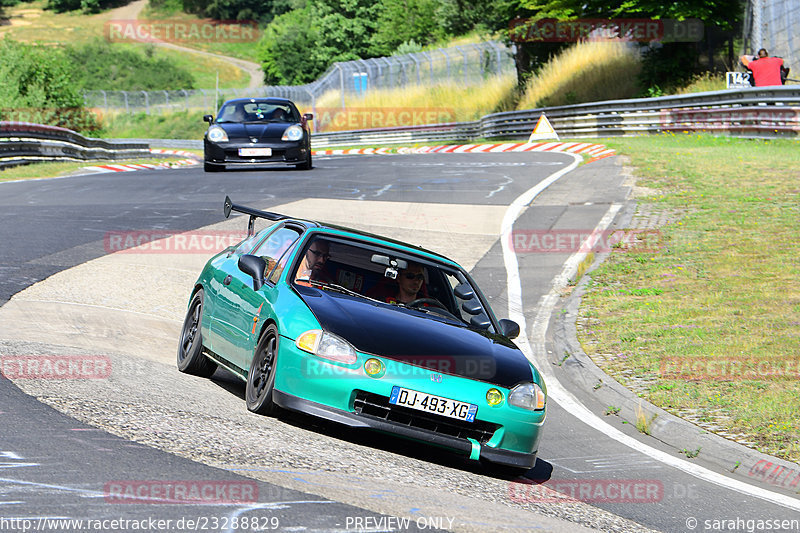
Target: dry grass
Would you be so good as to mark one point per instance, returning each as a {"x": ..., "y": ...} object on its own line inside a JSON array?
[
  {"x": 704, "y": 82},
  {"x": 446, "y": 102},
  {"x": 587, "y": 72}
]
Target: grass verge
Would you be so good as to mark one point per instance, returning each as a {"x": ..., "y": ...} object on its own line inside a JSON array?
[
  {"x": 60, "y": 169},
  {"x": 177, "y": 125},
  {"x": 705, "y": 321}
]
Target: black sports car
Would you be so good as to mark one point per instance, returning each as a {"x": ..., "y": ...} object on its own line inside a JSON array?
[{"x": 251, "y": 132}]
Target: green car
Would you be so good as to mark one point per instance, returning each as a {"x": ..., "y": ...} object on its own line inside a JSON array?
[{"x": 367, "y": 332}]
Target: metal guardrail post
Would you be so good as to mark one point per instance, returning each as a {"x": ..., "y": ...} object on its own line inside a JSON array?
[
  {"x": 341, "y": 82},
  {"x": 464, "y": 55}
]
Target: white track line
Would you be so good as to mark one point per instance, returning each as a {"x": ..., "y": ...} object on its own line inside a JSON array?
[{"x": 555, "y": 390}]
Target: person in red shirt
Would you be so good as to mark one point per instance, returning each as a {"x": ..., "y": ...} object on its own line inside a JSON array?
[
  {"x": 766, "y": 70},
  {"x": 409, "y": 284}
]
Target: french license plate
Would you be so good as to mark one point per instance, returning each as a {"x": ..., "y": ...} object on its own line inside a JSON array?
[
  {"x": 250, "y": 152},
  {"x": 433, "y": 404}
]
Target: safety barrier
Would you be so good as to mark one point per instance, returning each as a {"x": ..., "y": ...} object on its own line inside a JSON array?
[
  {"x": 22, "y": 142},
  {"x": 766, "y": 112}
]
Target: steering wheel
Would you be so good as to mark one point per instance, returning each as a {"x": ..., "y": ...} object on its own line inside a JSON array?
[
  {"x": 430, "y": 301},
  {"x": 438, "y": 307}
]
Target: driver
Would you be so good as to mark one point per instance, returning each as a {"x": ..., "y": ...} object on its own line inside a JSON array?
[
  {"x": 409, "y": 284},
  {"x": 313, "y": 264}
]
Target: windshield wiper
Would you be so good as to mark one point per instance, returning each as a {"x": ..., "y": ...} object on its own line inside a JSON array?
[{"x": 333, "y": 286}]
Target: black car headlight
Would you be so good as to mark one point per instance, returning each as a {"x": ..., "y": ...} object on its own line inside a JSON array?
[
  {"x": 216, "y": 134},
  {"x": 527, "y": 396},
  {"x": 292, "y": 133}
]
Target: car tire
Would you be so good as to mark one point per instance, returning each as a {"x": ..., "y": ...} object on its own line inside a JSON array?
[
  {"x": 307, "y": 165},
  {"x": 208, "y": 167},
  {"x": 261, "y": 377},
  {"x": 190, "y": 348}
]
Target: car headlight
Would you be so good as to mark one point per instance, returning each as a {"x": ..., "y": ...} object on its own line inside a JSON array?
[
  {"x": 292, "y": 133},
  {"x": 326, "y": 345},
  {"x": 528, "y": 396},
  {"x": 216, "y": 134}
]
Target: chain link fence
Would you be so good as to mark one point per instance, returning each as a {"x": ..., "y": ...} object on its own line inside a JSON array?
[
  {"x": 774, "y": 25},
  {"x": 467, "y": 64}
]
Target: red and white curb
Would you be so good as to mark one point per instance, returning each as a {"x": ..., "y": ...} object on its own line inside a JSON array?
[
  {"x": 595, "y": 151},
  {"x": 191, "y": 159}
]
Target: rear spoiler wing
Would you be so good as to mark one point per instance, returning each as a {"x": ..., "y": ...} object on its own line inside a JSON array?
[{"x": 254, "y": 214}]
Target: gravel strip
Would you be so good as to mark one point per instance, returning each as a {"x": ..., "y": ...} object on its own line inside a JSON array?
[{"x": 206, "y": 421}]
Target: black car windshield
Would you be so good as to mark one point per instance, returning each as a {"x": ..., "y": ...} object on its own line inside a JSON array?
[
  {"x": 391, "y": 278},
  {"x": 257, "y": 112}
]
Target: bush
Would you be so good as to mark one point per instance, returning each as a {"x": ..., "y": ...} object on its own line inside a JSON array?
[
  {"x": 108, "y": 67},
  {"x": 87, "y": 6},
  {"x": 38, "y": 87}
]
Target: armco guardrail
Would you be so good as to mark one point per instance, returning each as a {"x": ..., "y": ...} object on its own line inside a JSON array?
[
  {"x": 22, "y": 142},
  {"x": 767, "y": 112}
]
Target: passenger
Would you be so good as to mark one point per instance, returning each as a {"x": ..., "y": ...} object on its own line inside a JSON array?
[
  {"x": 278, "y": 115},
  {"x": 409, "y": 284}
]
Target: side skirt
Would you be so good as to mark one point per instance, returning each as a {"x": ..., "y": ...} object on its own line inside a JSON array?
[{"x": 239, "y": 372}]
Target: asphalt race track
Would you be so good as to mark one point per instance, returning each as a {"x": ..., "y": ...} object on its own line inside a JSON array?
[{"x": 66, "y": 445}]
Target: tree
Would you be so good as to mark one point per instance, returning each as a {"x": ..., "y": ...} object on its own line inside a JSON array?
[
  {"x": 667, "y": 65},
  {"x": 405, "y": 21},
  {"x": 299, "y": 45}
]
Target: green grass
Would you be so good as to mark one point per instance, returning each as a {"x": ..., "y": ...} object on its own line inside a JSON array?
[
  {"x": 56, "y": 169},
  {"x": 245, "y": 49},
  {"x": 721, "y": 286},
  {"x": 30, "y": 22},
  {"x": 178, "y": 125}
]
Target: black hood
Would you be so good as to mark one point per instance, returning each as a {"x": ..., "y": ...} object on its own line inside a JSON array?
[
  {"x": 416, "y": 338},
  {"x": 254, "y": 130}
]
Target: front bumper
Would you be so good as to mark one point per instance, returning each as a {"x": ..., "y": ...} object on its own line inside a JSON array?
[
  {"x": 494, "y": 455},
  {"x": 345, "y": 394},
  {"x": 283, "y": 153}
]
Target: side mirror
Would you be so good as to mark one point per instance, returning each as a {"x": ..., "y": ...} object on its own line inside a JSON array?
[
  {"x": 208, "y": 118},
  {"x": 308, "y": 116},
  {"x": 509, "y": 328},
  {"x": 254, "y": 266}
]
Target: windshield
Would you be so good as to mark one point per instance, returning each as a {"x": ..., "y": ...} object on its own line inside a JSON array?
[
  {"x": 394, "y": 279},
  {"x": 257, "y": 112}
]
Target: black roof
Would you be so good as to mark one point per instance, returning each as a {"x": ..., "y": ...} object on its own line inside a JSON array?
[{"x": 266, "y": 99}]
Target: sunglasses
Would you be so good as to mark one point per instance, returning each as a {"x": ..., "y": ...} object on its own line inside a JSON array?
[
  {"x": 418, "y": 277},
  {"x": 324, "y": 256}
]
